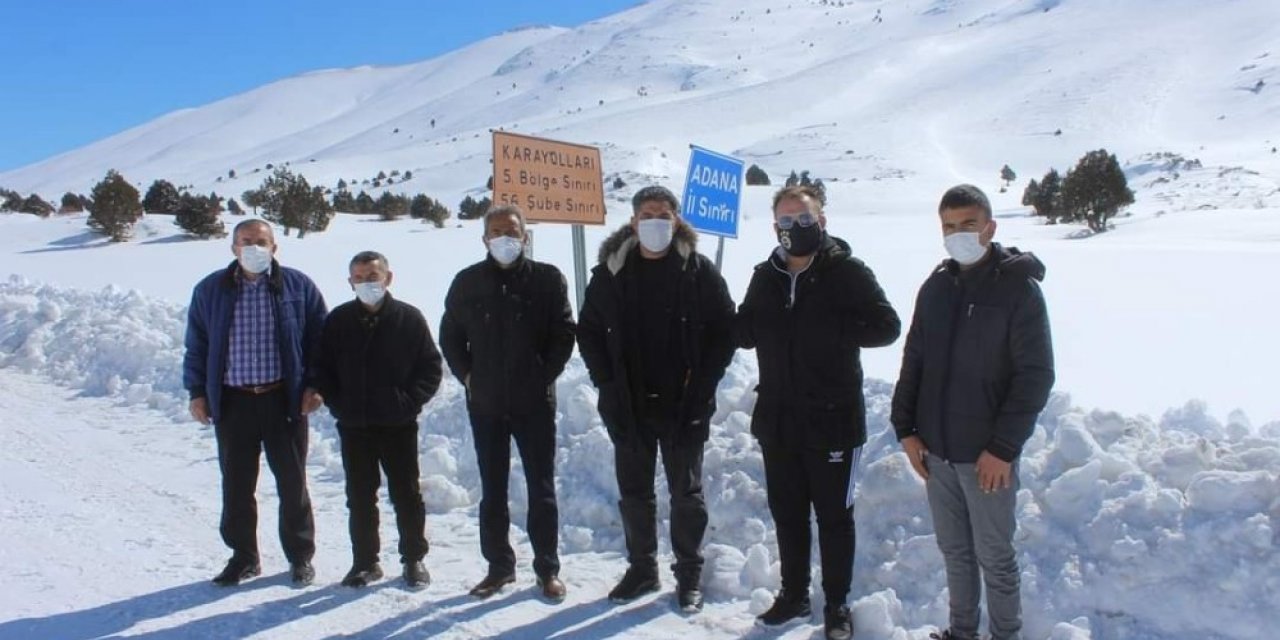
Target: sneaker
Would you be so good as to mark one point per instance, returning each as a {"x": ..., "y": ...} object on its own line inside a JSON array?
[
  {"x": 689, "y": 597},
  {"x": 302, "y": 574},
  {"x": 785, "y": 609},
  {"x": 635, "y": 583},
  {"x": 837, "y": 623},
  {"x": 553, "y": 589},
  {"x": 237, "y": 571},
  {"x": 416, "y": 575},
  {"x": 492, "y": 584},
  {"x": 360, "y": 576}
]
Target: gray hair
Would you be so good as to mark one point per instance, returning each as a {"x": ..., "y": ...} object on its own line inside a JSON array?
[{"x": 502, "y": 211}]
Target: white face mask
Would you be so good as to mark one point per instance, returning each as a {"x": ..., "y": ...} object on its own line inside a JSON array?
[
  {"x": 655, "y": 234},
  {"x": 505, "y": 249},
  {"x": 255, "y": 259},
  {"x": 964, "y": 247},
  {"x": 370, "y": 293}
]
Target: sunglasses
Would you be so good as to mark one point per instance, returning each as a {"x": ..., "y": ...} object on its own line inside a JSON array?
[{"x": 805, "y": 219}]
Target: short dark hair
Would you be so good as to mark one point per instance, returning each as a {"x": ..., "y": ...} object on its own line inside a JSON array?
[
  {"x": 800, "y": 192},
  {"x": 502, "y": 211},
  {"x": 365, "y": 257},
  {"x": 965, "y": 195},
  {"x": 654, "y": 193}
]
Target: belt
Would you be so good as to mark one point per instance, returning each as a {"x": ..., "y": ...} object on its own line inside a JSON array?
[{"x": 258, "y": 389}]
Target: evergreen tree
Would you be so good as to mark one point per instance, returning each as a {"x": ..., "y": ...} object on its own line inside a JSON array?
[
  {"x": 10, "y": 200},
  {"x": 757, "y": 176},
  {"x": 1095, "y": 190},
  {"x": 1008, "y": 175},
  {"x": 391, "y": 206},
  {"x": 408, "y": 175},
  {"x": 234, "y": 207},
  {"x": 1047, "y": 200},
  {"x": 471, "y": 209},
  {"x": 162, "y": 197},
  {"x": 429, "y": 210},
  {"x": 1030, "y": 193},
  {"x": 342, "y": 185},
  {"x": 288, "y": 200},
  {"x": 619, "y": 183},
  {"x": 344, "y": 202},
  {"x": 116, "y": 207},
  {"x": 198, "y": 216},
  {"x": 365, "y": 203},
  {"x": 253, "y": 198},
  {"x": 71, "y": 203},
  {"x": 37, "y": 206}
]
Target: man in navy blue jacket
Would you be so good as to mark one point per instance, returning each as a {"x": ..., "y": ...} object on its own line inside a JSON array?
[
  {"x": 253, "y": 329},
  {"x": 976, "y": 372}
]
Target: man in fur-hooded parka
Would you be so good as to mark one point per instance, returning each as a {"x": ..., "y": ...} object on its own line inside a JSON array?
[{"x": 655, "y": 332}]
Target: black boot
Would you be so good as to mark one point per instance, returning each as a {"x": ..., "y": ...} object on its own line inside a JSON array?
[
  {"x": 360, "y": 576},
  {"x": 635, "y": 583},
  {"x": 689, "y": 598},
  {"x": 786, "y": 607},
  {"x": 416, "y": 575},
  {"x": 302, "y": 574},
  {"x": 236, "y": 571},
  {"x": 837, "y": 623}
]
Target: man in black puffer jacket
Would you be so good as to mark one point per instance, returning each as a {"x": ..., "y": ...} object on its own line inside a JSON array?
[
  {"x": 976, "y": 372},
  {"x": 655, "y": 334},
  {"x": 810, "y": 308},
  {"x": 507, "y": 332},
  {"x": 378, "y": 366}
]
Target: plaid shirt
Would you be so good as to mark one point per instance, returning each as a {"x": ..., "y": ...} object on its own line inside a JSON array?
[{"x": 253, "y": 350}]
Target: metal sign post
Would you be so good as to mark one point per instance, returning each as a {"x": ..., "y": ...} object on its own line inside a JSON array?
[{"x": 580, "y": 263}]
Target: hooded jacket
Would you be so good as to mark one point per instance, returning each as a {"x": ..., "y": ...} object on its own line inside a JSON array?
[
  {"x": 978, "y": 364},
  {"x": 608, "y": 338},
  {"x": 808, "y": 331}
]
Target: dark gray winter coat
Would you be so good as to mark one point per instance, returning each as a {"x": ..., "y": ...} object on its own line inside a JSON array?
[{"x": 978, "y": 364}]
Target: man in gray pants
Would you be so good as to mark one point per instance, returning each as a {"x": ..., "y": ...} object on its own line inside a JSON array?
[{"x": 976, "y": 372}]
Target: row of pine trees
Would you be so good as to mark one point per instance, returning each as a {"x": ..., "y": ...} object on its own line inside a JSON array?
[{"x": 1091, "y": 193}]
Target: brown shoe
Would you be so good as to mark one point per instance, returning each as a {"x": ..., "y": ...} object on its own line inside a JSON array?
[
  {"x": 553, "y": 589},
  {"x": 491, "y": 585}
]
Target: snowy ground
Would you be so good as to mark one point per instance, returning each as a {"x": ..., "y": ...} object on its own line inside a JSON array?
[{"x": 1130, "y": 527}]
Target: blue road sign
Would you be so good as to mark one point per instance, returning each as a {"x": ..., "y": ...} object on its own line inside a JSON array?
[{"x": 713, "y": 192}]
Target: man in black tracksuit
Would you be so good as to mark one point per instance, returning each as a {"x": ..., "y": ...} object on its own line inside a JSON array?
[
  {"x": 655, "y": 334},
  {"x": 809, "y": 308},
  {"x": 507, "y": 332},
  {"x": 976, "y": 372},
  {"x": 378, "y": 366}
]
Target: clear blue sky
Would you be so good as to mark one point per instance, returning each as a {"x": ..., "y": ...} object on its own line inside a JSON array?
[{"x": 76, "y": 71}]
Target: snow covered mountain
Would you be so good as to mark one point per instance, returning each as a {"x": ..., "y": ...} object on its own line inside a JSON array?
[{"x": 866, "y": 90}]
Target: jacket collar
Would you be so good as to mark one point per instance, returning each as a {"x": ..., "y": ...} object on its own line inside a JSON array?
[{"x": 615, "y": 249}]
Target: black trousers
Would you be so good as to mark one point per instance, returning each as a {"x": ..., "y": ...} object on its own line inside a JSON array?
[
  {"x": 635, "y": 464},
  {"x": 794, "y": 481},
  {"x": 395, "y": 451},
  {"x": 535, "y": 436},
  {"x": 248, "y": 425}
]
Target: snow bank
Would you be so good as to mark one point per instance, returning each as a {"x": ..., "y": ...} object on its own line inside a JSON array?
[{"x": 1129, "y": 526}]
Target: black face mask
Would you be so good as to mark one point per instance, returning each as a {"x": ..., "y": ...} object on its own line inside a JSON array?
[{"x": 800, "y": 241}]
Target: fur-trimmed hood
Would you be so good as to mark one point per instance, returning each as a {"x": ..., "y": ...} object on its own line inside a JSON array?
[{"x": 615, "y": 249}]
